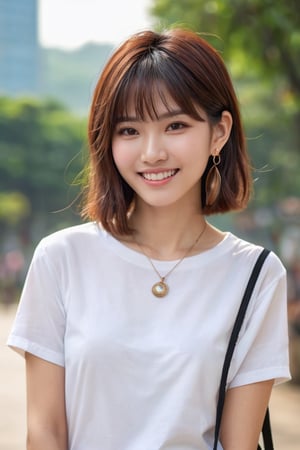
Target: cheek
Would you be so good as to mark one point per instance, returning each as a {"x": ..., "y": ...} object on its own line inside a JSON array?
[
  {"x": 198, "y": 160},
  {"x": 200, "y": 152},
  {"x": 121, "y": 156}
]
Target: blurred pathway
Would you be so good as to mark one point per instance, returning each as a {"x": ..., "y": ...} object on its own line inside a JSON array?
[
  {"x": 12, "y": 390},
  {"x": 284, "y": 407}
]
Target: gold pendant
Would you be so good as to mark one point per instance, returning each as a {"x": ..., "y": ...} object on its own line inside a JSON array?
[{"x": 160, "y": 289}]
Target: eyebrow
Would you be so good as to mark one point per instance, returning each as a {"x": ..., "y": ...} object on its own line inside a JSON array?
[{"x": 166, "y": 115}]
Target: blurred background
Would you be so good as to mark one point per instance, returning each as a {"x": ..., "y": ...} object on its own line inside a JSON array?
[{"x": 51, "y": 53}]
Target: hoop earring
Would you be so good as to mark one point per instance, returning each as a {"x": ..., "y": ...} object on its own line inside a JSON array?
[{"x": 213, "y": 182}]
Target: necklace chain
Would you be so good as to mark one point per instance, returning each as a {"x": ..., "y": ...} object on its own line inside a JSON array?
[{"x": 160, "y": 289}]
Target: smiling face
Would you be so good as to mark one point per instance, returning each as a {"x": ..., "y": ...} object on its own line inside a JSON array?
[
  {"x": 162, "y": 158},
  {"x": 193, "y": 77}
]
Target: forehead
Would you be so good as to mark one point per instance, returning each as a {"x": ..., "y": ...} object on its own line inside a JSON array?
[
  {"x": 158, "y": 103},
  {"x": 149, "y": 101}
]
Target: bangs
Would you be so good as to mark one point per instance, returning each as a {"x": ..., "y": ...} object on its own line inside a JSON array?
[{"x": 153, "y": 77}]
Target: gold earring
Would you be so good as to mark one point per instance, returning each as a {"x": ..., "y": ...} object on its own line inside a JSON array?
[{"x": 213, "y": 182}]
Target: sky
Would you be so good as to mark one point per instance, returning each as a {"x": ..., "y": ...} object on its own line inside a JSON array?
[{"x": 71, "y": 23}]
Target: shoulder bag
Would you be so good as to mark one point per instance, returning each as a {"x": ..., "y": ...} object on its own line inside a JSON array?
[{"x": 266, "y": 429}]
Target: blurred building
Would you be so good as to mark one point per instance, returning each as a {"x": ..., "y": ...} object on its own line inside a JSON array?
[{"x": 19, "y": 47}]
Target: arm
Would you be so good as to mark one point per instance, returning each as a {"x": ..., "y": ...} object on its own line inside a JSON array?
[
  {"x": 243, "y": 415},
  {"x": 46, "y": 415}
]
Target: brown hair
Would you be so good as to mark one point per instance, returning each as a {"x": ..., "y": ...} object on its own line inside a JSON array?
[{"x": 194, "y": 75}]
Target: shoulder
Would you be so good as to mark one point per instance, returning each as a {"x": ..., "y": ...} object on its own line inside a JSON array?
[
  {"x": 246, "y": 253},
  {"x": 78, "y": 233},
  {"x": 76, "y": 239}
]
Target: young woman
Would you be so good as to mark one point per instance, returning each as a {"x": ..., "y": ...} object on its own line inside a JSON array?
[{"x": 124, "y": 321}]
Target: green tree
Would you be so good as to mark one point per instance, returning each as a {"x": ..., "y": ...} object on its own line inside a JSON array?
[
  {"x": 41, "y": 153},
  {"x": 14, "y": 207},
  {"x": 265, "y": 34},
  {"x": 260, "y": 42}
]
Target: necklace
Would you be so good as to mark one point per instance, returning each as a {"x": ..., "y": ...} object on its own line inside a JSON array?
[{"x": 160, "y": 289}]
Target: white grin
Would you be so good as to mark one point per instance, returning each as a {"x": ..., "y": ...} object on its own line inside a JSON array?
[{"x": 159, "y": 176}]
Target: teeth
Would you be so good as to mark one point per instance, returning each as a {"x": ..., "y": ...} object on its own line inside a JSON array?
[{"x": 158, "y": 176}]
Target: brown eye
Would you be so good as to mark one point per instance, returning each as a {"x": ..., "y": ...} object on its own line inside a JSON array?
[
  {"x": 176, "y": 126},
  {"x": 128, "y": 131}
]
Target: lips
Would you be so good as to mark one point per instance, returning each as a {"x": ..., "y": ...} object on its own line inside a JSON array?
[{"x": 158, "y": 176}]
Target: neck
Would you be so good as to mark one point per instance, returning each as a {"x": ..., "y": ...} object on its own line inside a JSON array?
[{"x": 165, "y": 233}]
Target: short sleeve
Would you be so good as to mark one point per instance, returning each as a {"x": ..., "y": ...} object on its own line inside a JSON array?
[
  {"x": 262, "y": 350},
  {"x": 39, "y": 325}
]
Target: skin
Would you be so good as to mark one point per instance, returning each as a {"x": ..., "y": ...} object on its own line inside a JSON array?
[
  {"x": 163, "y": 161},
  {"x": 243, "y": 415},
  {"x": 46, "y": 416}
]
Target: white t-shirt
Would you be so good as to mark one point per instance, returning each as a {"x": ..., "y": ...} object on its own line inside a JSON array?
[{"x": 142, "y": 373}]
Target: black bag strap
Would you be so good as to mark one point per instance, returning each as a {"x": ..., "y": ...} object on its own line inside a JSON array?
[
  {"x": 267, "y": 433},
  {"x": 266, "y": 429}
]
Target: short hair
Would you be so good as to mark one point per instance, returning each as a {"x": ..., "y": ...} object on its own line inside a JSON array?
[{"x": 194, "y": 75}]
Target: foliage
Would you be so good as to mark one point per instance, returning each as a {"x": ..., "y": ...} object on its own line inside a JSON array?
[
  {"x": 41, "y": 152},
  {"x": 263, "y": 32},
  {"x": 260, "y": 42},
  {"x": 14, "y": 207}
]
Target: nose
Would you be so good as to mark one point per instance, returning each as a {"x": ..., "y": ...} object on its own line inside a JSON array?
[{"x": 153, "y": 150}]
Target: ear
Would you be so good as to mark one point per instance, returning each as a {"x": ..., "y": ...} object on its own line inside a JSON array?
[{"x": 221, "y": 132}]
